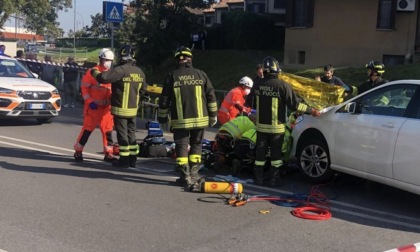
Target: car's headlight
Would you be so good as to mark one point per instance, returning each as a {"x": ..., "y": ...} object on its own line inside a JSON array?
[
  {"x": 6, "y": 91},
  {"x": 55, "y": 92}
]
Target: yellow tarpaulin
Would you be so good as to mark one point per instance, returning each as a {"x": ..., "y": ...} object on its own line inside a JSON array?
[{"x": 315, "y": 93}]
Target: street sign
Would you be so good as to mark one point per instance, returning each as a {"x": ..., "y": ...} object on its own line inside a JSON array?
[{"x": 113, "y": 12}]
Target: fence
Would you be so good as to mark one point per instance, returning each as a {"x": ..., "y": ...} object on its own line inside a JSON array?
[{"x": 61, "y": 54}]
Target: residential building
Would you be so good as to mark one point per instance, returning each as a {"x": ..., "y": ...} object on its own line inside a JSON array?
[{"x": 350, "y": 32}]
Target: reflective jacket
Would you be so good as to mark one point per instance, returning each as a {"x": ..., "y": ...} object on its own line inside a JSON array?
[
  {"x": 189, "y": 97},
  {"x": 235, "y": 96},
  {"x": 238, "y": 126},
  {"x": 128, "y": 83},
  {"x": 93, "y": 91},
  {"x": 250, "y": 135},
  {"x": 272, "y": 97}
]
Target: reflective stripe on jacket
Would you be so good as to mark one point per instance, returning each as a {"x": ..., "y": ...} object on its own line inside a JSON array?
[{"x": 238, "y": 126}]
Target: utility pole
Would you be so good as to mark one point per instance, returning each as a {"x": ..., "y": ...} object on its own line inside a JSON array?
[{"x": 74, "y": 29}]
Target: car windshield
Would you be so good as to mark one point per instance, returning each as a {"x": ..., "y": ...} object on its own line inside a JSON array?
[{"x": 13, "y": 68}]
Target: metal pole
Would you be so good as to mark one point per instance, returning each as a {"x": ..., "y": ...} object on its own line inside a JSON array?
[
  {"x": 74, "y": 29},
  {"x": 112, "y": 35}
]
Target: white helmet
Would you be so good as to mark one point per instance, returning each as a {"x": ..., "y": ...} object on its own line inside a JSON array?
[
  {"x": 246, "y": 81},
  {"x": 106, "y": 53}
]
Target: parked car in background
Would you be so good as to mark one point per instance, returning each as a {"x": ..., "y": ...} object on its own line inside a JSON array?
[
  {"x": 24, "y": 96},
  {"x": 31, "y": 48},
  {"x": 374, "y": 135}
]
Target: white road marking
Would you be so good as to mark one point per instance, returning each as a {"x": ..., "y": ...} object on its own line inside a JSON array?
[{"x": 148, "y": 170}]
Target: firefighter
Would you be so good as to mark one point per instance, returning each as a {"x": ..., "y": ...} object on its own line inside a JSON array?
[
  {"x": 129, "y": 86},
  {"x": 188, "y": 96},
  {"x": 227, "y": 135},
  {"x": 272, "y": 97},
  {"x": 375, "y": 70},
  {"x": 233, "y": 104},
  {"x": 97, "y": 109}
]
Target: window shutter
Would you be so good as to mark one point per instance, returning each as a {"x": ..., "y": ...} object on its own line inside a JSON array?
[
  {"x": 310, "y": 12},
  {"x": 289, "y": 13}
]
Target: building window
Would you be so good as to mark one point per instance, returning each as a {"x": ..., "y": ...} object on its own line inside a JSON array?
[
  {"x": 300, "y": 13},
  {"x": 386, "y": 14},
  {"x": 280, "y": 4},
  {"x": 301, "y": 57}
]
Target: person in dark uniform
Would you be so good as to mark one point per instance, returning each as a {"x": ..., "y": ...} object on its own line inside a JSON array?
[
  {"x": 188, "y": 96},
  {"x": 249, "y": 102},
  {"x": 272, "y": 96},
  {"x": 128, "y": 84},
  {"x": 375, "y": 70}
]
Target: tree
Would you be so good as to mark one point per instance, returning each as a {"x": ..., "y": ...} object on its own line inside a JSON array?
[
  {"x": 99, "y": 27},
  {"x": 157, "y": 42},
  {"x": 39, "y": 16}
]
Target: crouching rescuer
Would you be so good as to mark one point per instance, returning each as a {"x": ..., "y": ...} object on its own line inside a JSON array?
[
  {"x": 188, "y": 96},
  {"x": 272, "y": 96}
]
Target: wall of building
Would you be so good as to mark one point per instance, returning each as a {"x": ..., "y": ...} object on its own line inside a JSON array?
[{"x": 344, "y": 34}]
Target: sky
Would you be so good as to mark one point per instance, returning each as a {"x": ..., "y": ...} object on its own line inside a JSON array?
[{"x": 84, "y": 9}]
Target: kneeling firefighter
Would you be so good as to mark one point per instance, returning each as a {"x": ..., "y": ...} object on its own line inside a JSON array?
[
  {"x": 227, "y": 135},
  {"x": 189, "y": 97},
  {"x": 272, "y": 97}
]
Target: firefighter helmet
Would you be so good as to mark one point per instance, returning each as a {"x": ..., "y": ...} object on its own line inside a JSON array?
[
  {"x": 183, "y": 52},
  {"x": 271, "y": 65},
  {"x": 376, "y": 66},
  {"x": 246, "y": 81},
  {"x": 126, "y": 53},
  {"x": 106, "y": 53}
]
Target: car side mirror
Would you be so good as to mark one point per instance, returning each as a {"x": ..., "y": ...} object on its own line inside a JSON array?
[{"x": 351, "y": 107}]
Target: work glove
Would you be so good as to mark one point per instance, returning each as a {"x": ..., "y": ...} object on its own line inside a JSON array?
[
  {"x": 315, "y": 112},
  {"x": 238, "y": 107},
  {"x": 94, "y": 72},
  {"x": 212, "y": 121},
  {"x": 93, "y": 106}
]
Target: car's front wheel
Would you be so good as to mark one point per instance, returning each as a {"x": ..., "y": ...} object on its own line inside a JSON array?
[{"x": 314, "y": 161}]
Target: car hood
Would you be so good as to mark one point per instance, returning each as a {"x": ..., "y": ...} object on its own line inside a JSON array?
[{"x": 19, "y": 84}]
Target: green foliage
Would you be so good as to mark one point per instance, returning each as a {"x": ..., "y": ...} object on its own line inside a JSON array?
[
  {"x": 99, "y": 28},
  {"x": 245, "y": 30},
  {"x": 39, "y": 16}
]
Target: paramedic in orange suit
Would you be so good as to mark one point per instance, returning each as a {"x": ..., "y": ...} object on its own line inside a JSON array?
[{"x": 97, "y": 109}]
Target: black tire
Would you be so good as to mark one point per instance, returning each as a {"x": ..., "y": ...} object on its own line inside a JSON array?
[
  {"x": 44, "y": 120},
  {"x": 314, "y": 161}
]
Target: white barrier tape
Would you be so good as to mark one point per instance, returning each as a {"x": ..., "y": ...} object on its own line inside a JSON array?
[{"x": 54, "y": 64}]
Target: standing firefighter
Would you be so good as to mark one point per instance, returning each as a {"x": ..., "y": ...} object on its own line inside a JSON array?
[
  {"x": 272, "y": 98},
  {"x": 189, "y": 97},
  {"x": 128, "y": 85},
  {"x": 97, "y": 109}
]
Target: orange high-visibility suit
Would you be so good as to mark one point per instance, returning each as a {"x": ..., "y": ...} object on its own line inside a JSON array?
[
  {"x": 92, "y": 91},
  {"x": 229, "y": 108}
]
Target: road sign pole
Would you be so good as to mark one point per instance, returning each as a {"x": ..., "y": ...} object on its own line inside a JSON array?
[{"x": 112, "y": 35}]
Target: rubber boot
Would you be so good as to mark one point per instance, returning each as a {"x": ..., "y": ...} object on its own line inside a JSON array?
[
  {"x": 184, "y": 176},
  {"x": 194, "y": 168},
  {"x": 258, "y": 171},
  {"x": 123, "y": 162},
  {"x": 133, "y": 160},
  {"x": 275, "y": 176}
]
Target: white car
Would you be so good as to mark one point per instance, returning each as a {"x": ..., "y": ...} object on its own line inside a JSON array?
[
  {"x": 24, "y": 96},
  {"x": 375, "y": 135}
]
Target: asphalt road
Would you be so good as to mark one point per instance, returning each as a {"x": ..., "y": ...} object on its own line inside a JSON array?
[{"x": 50, "y": 203}]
